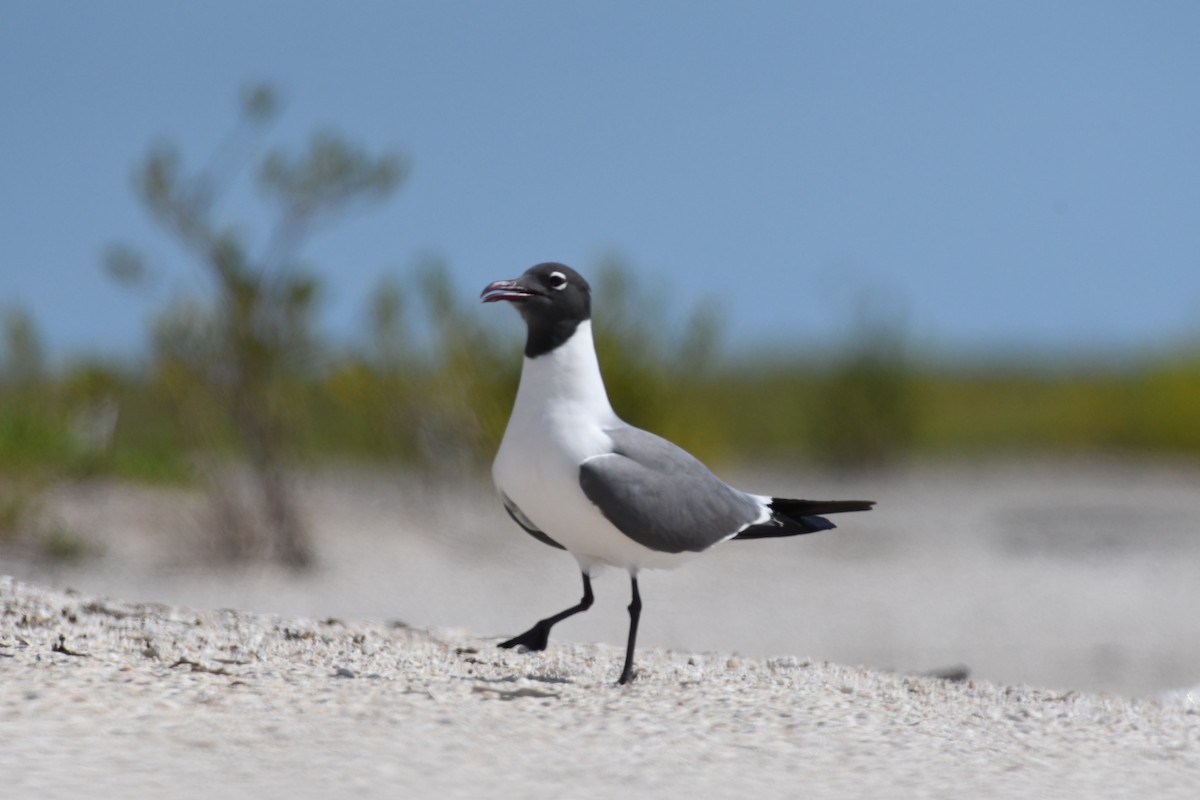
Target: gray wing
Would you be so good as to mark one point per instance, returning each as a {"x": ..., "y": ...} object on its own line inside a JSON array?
[
  {"x": 661, "y": 496},
  {"x": 518, "y": 516}
]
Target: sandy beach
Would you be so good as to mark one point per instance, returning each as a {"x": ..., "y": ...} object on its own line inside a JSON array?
[
  {"x": 780, "y": 669},
  {"x": 102, "y": 698}
]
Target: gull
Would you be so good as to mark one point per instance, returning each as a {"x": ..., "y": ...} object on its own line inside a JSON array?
[{"x": 575, "y": 476}]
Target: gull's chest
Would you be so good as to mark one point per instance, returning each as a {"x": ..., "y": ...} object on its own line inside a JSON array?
[
  {"x": 558, "y": 420},
  {"x": 542, "y": 448}
]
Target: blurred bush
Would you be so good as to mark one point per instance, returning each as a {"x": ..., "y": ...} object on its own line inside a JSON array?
[
  {"x": 865, "y": 414},
  {"x": 232, "y": 365},
  {"x": 40, "y": 438}
]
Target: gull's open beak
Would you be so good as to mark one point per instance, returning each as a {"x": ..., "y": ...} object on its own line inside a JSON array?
[{"x": 513, "y": 291}]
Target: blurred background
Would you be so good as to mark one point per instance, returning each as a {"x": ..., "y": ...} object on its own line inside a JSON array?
[{"x": 940, "y": 255}]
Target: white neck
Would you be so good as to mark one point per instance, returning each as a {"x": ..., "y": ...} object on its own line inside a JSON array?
[{"x": 567, "y": 377}]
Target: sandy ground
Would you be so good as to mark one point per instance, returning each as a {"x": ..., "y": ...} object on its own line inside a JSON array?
[
  {"x": 1080, "y": 579},
  {"x": 102, "y": 698},
  {"x": 1060, "y": 575}
]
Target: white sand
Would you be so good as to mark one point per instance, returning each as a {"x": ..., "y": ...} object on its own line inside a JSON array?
[
  {"x": 160, "y": 701},
  {"x": 1059, "y": 575},
  {"x": 1077, "y": 577}
]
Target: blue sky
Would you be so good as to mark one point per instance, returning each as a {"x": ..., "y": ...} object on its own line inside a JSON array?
[{"x": 1002, "y": 176}]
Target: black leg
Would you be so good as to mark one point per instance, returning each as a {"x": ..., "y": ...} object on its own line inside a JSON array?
[
  {"x": 536, "y": 637},
  {"x": 635, "y": 611}
]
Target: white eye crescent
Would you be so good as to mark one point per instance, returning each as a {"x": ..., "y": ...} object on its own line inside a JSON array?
[{"x": 558, "y": 281}]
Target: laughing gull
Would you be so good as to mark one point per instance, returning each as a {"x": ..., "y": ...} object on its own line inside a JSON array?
[{"x": 574, "y": 476}]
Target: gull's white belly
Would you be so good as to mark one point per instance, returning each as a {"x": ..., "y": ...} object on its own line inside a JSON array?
[{"x": 537, "y": 468}]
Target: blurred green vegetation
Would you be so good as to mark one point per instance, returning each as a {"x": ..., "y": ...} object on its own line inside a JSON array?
[
  {"x": 435, "y": 395},
  {"x": 235, "y": 365}
]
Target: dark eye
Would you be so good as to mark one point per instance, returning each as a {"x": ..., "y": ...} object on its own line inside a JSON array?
[{"x": 558, "y": 281}]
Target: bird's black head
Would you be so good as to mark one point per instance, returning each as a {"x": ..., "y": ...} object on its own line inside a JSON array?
[{"x": 552, "y": 298}]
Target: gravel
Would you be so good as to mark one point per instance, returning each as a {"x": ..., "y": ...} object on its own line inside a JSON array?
[{"x": 106, "y": 698}]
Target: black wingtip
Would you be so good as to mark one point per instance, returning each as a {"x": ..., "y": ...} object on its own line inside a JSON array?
[
  {"x": 796, "y": 517},
  {"x": 806, "y": 508}
]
